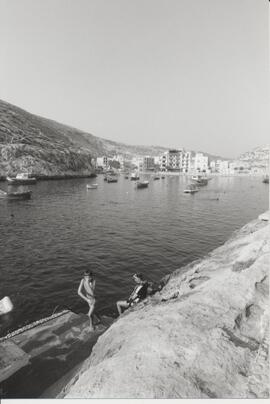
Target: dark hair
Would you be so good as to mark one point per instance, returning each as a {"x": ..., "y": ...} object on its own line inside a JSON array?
[
  {"x": 140, "y": 276},
  {"x": 88, "y": 273}
]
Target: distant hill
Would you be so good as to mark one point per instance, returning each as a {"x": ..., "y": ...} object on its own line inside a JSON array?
[{"x": 45, "y": 147}]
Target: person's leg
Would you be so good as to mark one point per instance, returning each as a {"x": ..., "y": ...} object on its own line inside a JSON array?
[
  {"x": 90, "y": 312},
  {"x": 122, "y": 304}
]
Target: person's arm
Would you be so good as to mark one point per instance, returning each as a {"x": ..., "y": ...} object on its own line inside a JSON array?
[
  {"x": 134, "y": 294},
  {"x": 80, "y": 292}
]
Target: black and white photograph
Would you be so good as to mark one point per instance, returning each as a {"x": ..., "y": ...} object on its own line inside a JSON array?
[{"x": 134, "y": 199}]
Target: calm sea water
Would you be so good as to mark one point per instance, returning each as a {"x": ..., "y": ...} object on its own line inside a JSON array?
[{"x": 46, "y": 243}]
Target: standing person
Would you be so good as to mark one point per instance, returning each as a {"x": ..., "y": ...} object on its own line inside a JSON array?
[
  {"x": 88, "y": 283},
  {"x": 139, "y": 293}
]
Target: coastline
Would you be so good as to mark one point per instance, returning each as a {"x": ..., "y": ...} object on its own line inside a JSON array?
[
  {"x": 58, "y": 177},
  {"x": 203, "y": 336}
]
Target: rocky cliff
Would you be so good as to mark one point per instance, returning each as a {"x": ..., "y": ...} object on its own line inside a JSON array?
[{"x": 204, "y": 335}]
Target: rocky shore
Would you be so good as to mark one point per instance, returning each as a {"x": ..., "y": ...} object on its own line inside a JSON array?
[{"x": 205, "y": 335}]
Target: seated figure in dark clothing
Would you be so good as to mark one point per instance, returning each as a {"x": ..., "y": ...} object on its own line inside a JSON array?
[{"x": 139, "y": 293}]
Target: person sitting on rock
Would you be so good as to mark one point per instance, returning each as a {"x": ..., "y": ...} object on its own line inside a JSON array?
[{"x": 139, "y": 293}]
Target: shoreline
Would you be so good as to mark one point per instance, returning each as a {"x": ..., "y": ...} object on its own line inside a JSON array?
[
  {"x": 57, "y": 177},
  {"x": 204, "y": 335},
  {"x": 216, "y": 295}
]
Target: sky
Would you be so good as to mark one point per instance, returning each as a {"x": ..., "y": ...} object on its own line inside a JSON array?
[{"x": 174, "y": 73}]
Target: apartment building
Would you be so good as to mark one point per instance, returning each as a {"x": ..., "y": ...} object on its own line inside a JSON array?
[
  {"x": 176, "y": 160},
  {"x": 148, "y": 163},
  {"x": 201, "y": 162}
]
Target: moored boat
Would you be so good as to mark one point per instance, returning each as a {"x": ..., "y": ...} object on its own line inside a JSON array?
[
  {"x": 200, "y": 180},
  {"x": 134, "y": 177},
  {"x": 142, "y": 184},
  {"x": 112, "y": 178},
  {"x": 91, "y": 186},
  {"x": 191, "y": 189},
  {"x": 266, "y": 179},
  {"x": 21, "y": 179},
  {"x": 15, "y": 195},
  {"x": 156, "y": 177}
]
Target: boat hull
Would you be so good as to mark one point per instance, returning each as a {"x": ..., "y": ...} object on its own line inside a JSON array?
[
  {"x": 190, "y": 191},
  {"x": 17, "y": 181},
  {"x": 141, "y": 185},
  {"x": 18, "y": 195}
]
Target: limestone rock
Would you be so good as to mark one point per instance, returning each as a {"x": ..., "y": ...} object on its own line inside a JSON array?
[{"x": 200, "y": 337}]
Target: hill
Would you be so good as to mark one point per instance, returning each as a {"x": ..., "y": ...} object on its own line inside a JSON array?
[
  {"x": 47, "y": 148},
  {"x": 258, "y": 157}
]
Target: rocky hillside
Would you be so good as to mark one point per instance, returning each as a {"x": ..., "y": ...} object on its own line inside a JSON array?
[
  {"x": 45, "y": 147},
  {"x": 259, "y": 157},
  {"x": 205, "y": 335}
]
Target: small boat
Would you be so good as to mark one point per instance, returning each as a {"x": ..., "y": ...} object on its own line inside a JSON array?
[
  {"x": 191, "y": 189},
  {"x": 156, "y": 177},
  {"x": 15, "y": 195},
  {"x": 266, "y": 179},
  {"x": 162, "y": 177},
  {"x": 126, "y": 177},
  {"x": 134, "y": 177},
  {"x": 200, "y": 180},
  {"x": 112, "y": 179},
  {"x": 142, "y": 184},
  {"x": 21, "y": 179},
  {"x": 91, "y": 186}
]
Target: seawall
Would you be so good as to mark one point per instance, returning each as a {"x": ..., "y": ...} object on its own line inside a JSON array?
[{"x": 205, "y": 334}]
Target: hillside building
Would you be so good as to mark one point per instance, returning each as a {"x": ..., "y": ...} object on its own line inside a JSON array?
[{"x": 102, "y": 162}]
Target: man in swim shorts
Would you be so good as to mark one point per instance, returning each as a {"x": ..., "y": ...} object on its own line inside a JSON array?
[{"x": 139, "y": 293}]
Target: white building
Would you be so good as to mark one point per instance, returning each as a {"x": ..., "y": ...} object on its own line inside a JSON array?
[
  {"x": 201, "y": 162},
  {"x": 102, "y": 162},
  {"x": 224, "y": 167},
  {"x": 138, "y": 162},
  {"x": 213, "y": 166},
  {"x": 176, "y": 160}
]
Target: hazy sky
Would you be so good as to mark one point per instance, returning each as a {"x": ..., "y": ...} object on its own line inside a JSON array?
[{"x": 191, "y": 73}]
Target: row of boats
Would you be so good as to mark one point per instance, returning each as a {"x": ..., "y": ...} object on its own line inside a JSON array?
[{"x": 197, "y": 181}]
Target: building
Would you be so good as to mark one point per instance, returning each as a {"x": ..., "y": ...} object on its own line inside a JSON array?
[
  {"x": 137, "y": 162},
  {"x": 185, "y": 164},
  {"x": 102, "y": 162},
  {"x": 224, "y": 167},
  {"x": 213, "y": 166},
  {"x": 120, "y": 159},
  {"x": 176, "y": 160},
  {"x": 148, "y": 163},
  {"x": 201, "y": 162}
]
